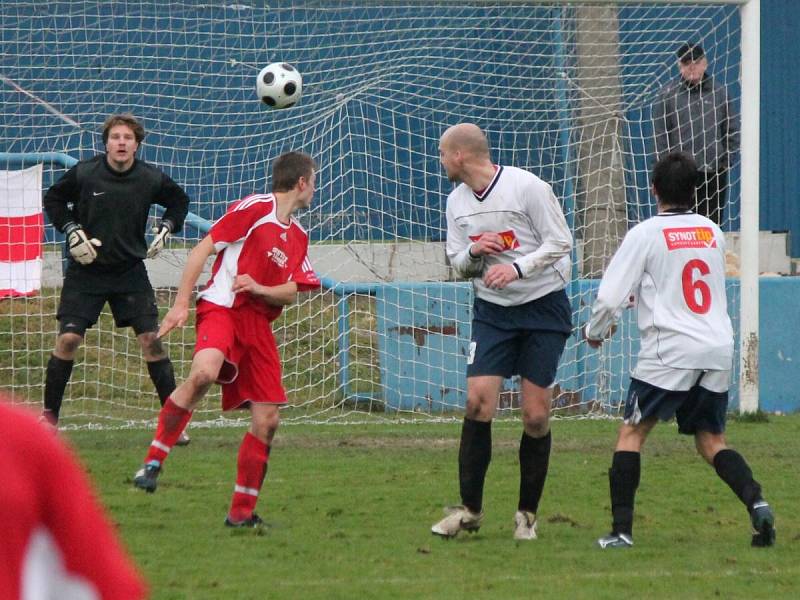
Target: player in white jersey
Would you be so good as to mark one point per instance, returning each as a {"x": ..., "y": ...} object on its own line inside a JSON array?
[
  {"x": 674, "y": 265},
  {"x": 506, "y": 230}
]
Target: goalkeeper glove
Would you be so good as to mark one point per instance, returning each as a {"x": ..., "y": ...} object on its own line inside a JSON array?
[
  {"x": 81, "y": 247},
  {"x": 162, "y": 235}
]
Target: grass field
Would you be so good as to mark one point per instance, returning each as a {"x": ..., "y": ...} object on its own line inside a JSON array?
[
  {"x": 110, "y": 386},
  {"x": 349, "y": 509}
]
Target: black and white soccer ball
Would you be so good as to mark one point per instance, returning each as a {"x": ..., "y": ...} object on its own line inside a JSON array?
[{"x": 279, "y": 85}]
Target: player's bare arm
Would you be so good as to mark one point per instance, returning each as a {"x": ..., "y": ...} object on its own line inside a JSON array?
[
  {"x": 596, "y": 343},
  {"x": 276, "y": 295},
  {"x": 487, "y": 244},
  {"x": 499, "y": 276},
  {"x": 179, "y": 313}
]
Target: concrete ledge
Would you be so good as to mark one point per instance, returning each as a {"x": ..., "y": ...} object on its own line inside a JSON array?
[
  {"x": 408, "y": 261},
  {"x": 773, "y": 250},
  {"x": 354, "y": 262}
]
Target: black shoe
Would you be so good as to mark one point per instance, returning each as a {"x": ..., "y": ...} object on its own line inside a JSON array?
[
  {"x": 253, "y": 522},
  {"x": 763, "y": 525},
  {"x": 146, "y": 478}
]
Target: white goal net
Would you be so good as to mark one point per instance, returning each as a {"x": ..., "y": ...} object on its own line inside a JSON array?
[{"x": 565, "y": 90}]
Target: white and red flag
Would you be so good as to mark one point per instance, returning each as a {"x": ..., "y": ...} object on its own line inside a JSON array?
[{"x": 21, "y": 232}]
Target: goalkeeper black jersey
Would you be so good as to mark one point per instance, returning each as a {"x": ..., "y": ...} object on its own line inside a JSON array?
[{"x": 114, "y": 207}]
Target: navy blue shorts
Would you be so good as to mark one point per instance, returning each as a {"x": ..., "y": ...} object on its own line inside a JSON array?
[
  {"x": 697, "y": 409},
  {"x": 129, "y": 294},
  {"x": 525, "y": 340}
]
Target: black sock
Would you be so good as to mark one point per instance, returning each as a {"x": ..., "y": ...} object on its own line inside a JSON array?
[
  {"x": 733, "y": 470},
  {"x": 534, "y": 458},
  {"x": 623, "y": 478},
  {"x": 163, "y": 376},
  {"x": 56, "y": 379},
  {"x": 474, "y": 456}
]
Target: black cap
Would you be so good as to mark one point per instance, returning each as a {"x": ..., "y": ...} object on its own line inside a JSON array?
[{"x": 690, "y": 52}]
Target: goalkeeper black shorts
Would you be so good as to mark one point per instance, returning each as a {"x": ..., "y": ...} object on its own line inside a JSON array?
[{"x": 129, "y": 294}]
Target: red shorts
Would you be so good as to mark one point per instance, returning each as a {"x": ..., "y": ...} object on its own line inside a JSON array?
[{"x": 252, "y": 368}]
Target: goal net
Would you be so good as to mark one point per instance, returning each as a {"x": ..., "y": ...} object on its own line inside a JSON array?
[{"x": 563, "y": 89}]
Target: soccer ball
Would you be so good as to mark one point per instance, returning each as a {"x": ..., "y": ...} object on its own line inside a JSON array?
[{"x": 279, "y": 85}]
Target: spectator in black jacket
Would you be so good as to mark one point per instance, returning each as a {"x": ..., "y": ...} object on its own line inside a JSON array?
[
  {"x": 693, "y": 115},
  {"x": 102, "y": 206}
]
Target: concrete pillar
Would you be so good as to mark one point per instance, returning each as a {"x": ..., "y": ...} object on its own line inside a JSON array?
[{"x": 600, "y": 198}]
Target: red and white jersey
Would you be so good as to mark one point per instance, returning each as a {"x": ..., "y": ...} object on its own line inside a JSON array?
[
  {"x": 251, "y": 240},
  {"x": 55, "y": 540},
  {"x": 674, "y": 264},
  {"x": 524, "y": 210}
]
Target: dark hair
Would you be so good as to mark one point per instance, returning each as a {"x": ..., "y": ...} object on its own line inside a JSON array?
[
  {"x": 675, "y": 179},
  {"x": 123, "y": 119},
  {"x": 288, "y": 168},
  {"x": 690, "y": 52}
]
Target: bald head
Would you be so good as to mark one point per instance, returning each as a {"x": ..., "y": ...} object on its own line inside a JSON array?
[
  {"x": 464, "y": 154},
  {"x": 466, "y": 138}
]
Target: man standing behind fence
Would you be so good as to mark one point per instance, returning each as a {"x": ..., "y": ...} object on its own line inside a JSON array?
[
  {"x": 102, "y": 206},
  {"x": 693, "y": 115},
  {"x": 505, "y": 230}
]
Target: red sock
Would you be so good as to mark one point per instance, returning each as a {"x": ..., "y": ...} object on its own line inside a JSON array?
[
  {"x": 252, "y": 468},
  {"x": 172, "y": 420}
]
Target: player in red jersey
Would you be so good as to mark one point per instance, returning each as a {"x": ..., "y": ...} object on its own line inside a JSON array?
[
  {"x": 261, "y": 265},
  {"x": 56, "y": 540}
]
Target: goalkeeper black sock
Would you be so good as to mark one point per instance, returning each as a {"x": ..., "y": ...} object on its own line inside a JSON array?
[
  {"x": 733, "y": 470},
  {"x": 623, "y": 479},
  {"x": 474, "y": 456},
  {"x": 163, "y": 376},
  {"x": 534, "y": 458},
  {"x": 56, "y": 379}
]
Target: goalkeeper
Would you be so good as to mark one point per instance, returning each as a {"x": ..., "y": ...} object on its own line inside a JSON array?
[{"x": 102, "y": 206}]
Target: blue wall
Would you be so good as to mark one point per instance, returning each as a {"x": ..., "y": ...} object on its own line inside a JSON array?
[
  {"x": 779, "y": 352},
  {"x": 171, "y": 65},
  {"x": 779, "y": 184},
  {"x": 424, "y": 326},
  {"x": 403, "y": 84}
]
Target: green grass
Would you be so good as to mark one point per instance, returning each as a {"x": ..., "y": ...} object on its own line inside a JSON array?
[
  {"x": 110, "y": 384},
  {"x": 349, "y": 509}
]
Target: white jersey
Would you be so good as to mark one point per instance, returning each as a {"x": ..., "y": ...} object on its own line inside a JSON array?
[
  {"x": 525, "y": 212},
  {"x": 674, "y": 265}
]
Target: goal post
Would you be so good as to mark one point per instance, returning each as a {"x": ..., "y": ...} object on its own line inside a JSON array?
[
  {"x": 564, "y": 89},
  {"x": 751, "y": 138}
]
